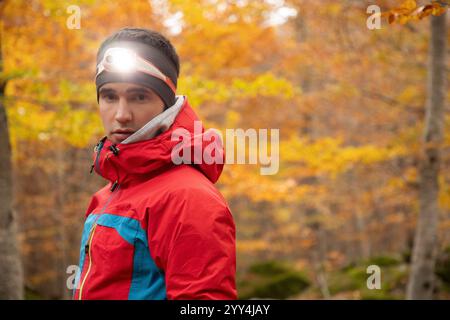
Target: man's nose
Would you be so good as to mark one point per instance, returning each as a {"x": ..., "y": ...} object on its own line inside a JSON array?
[{"x": 123, "y": 112}]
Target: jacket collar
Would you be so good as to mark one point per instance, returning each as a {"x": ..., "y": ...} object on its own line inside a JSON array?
[
  {"x": 158, "y": 124},
  {"x": 127, "y": 163}
]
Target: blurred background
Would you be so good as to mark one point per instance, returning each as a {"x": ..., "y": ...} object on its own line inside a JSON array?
[{"x": 350, "y": 102}]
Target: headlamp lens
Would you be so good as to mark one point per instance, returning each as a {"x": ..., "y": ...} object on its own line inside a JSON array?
[{"x": 120, "y": 60}]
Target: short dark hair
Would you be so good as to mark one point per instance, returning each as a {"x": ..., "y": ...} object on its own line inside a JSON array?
[{"x": 150, "y": 37}]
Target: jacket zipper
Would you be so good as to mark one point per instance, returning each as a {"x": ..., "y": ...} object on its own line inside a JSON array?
[
  {"x": 114, "y": 187},
  {"x": 87, "y": 247},
  {"x": 98, "y": 148},
  {"x": 87, "y": 250}
]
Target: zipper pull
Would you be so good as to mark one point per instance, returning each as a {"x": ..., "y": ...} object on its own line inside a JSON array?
[
  {"x": 114, "y": 186},
  {"x": 97, "y": 149},
  {"x": 114, "y": 149},
  {"x": 86, "y": 249}
]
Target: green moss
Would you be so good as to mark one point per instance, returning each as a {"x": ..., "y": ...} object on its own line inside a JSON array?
[
  {"x": 357, "y": 273},
  {"x": 349, "y": 266},
  {"x": 339, "y": 282},
  {"x": 269, "y": 268},
  {"x": 282, "y": 286},
  {"x": 354, "y": 277},
  {"x": 32, "y": 294},
  {"x": 383, "y": 261},
  {"x": 272, "y": 279}
]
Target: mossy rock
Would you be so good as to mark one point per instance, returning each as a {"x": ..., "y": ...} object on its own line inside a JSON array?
[
  {"x": 269, "y": 268},
  {"x": 348, "y": 280},
  {"x": 383, "y": 261},
  {"x": 354, "y": 277},
  {"x": 349, "y": 266},
  {"x": 358, "y": 273},
  {"x": 281, "y": 286},
  {"x": 272, "y": 279}
]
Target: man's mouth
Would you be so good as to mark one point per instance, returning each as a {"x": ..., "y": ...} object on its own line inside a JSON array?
[{"x": 122, "y": 134}]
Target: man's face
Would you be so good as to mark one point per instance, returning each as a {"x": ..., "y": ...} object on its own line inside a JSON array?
[{"x": 126, "y": 107}]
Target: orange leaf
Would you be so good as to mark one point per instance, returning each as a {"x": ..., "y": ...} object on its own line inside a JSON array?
[
  {"x": 392, "y": 17},
  {"x": 424, "y": 11},
  {"x": 438, "y": 9},
  {"x": 409, "y": 4}
]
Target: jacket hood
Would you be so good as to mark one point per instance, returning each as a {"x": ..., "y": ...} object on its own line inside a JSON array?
[{"x": 127, "y": 163}]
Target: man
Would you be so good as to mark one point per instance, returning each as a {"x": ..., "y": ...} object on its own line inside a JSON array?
[{"x": 157, "y": 230}]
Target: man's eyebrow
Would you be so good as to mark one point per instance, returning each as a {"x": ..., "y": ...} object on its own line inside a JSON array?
[
  {"x": 107, "y": 90},
  {"x": 133, "y": 90}
]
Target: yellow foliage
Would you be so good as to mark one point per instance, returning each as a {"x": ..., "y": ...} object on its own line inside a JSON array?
[
  {"x": 409, "y": 11},
  {"x": 243, "y": 246},
  {"x": 327, "y": 155}
]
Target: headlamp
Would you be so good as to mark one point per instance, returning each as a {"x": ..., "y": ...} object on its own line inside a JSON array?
[{"x": 123, "y": 60}]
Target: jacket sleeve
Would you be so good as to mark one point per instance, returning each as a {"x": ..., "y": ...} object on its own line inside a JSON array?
[{"x": 199, "y": 258}]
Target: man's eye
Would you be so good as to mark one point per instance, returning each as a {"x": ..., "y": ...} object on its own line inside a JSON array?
[
  {"x": 140, "y": 97},
  {"x": 109, "y": 97}
]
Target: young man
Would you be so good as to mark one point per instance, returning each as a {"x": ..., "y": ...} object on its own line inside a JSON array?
[{"x": 157, "y": 230}]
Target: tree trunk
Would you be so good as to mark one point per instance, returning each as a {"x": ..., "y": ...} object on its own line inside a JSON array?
[
  {"x": 59, "y": 219},
  {"x": 421, "y": 280},
  {"x": 11, "y": 275}
]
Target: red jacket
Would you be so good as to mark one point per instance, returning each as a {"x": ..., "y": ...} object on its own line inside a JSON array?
[{"x": 157, "y": 230}]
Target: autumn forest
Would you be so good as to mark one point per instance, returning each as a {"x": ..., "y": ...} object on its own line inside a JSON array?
[{"x": 357, "y": 90}]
